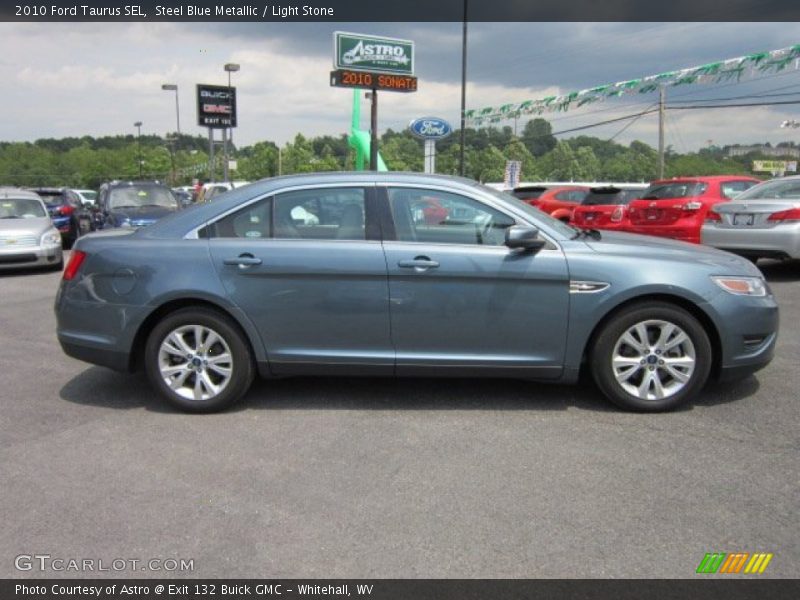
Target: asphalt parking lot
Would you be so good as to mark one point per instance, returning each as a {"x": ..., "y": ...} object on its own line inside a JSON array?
[{"x": 383, "y": 478}]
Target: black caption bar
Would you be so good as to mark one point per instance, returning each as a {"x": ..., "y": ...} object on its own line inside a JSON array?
[
  {"x": 407, "y": 10},
  {"x": 396, "y": 589}
]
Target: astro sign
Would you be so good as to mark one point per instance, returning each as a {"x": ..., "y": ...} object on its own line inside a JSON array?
[
  {"x": 430, "y": 128},
  {"x": 358, "y": 52},
  {"x": 216, "y": 106}
]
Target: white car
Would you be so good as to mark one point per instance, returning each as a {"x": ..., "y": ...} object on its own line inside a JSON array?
[
  {"x": 209, "y": 190},
  {"x": 87, "y": 196},
  {"x": 28, "y": 237}
]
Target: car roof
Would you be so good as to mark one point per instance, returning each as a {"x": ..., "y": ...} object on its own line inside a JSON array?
[
  {"x": 704, "y": 179},
  {"x": 15, "y": 192}
]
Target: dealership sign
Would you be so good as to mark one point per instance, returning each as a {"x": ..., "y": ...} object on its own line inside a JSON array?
[
  {"x": 216, "y": 106},
  {"x": 358, "y": 52},
  {"x": 430, "y": 128},
  {"x": 775, "y": 166}
]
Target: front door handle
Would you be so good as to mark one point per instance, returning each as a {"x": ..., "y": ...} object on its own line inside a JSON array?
[
  {"x": 243, "y": 261},
  {"x": 419, "y": 263}
]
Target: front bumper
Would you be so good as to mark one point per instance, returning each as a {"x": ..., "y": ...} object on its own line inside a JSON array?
[
  {"x": 782, "y": 239},
  {"x": 22, "y": 257},
  {"x": 748, "y": 333}
]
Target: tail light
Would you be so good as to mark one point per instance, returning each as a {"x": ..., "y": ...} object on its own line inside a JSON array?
[
  {"x": 616, "y": 216},
  {"x": 75, "y": 262},
  {"x": 690, "y": 206},
  {"x": 792, "y": 214},
  {"x": 712, "y": 216},
  {"x": 66, "y": 210}
]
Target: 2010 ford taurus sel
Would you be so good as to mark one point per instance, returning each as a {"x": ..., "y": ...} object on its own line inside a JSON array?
[{"x": 347, "y": 274}]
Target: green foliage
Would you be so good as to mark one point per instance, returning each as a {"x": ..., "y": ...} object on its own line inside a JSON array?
[{"x": 88, "y": 161}]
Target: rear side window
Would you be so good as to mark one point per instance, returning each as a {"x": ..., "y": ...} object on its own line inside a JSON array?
[
  {"x": 571, "y": 195},
  {"x": 315, "y": 214}
]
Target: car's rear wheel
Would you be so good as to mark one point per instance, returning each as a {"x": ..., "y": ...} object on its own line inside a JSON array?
[
  {"x": 651, "y": 357},
  {"x": 199, "y": 360}
]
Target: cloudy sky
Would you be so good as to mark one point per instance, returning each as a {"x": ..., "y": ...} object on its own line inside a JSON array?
[{"x": 71, "y": 79}]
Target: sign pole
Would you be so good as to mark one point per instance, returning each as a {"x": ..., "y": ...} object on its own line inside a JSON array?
[
  {"x": 430, "y": 156},
  {"x": 373, "y": 144},
  {"x": 211, "y": 153}
]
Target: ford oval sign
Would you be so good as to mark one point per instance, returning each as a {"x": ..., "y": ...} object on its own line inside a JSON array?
[{"x": 430, "y": 128}]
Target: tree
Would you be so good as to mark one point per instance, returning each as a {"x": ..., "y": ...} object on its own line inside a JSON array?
[{"x": 538, "y": 137}]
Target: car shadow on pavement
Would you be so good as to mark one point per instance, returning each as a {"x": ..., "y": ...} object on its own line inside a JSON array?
[
  {"x": 780, "y": 270},
  {"x": 103, "y": 388}
]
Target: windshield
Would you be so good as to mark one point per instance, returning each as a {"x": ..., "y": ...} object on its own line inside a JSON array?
[
  {"x": 134, "y": 196},
  {"x": 89, "y": 195},
  {"x": 21, "y": 208},
  {"x": 610, "y": 196},
  {"x": 673, "y": 189},
  {"x": 551, "y": 222},
  {"x": 777, "y": 189}
]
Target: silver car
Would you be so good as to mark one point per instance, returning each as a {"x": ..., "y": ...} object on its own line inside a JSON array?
[
  {"x": 761, "y": 222},
  {"x": 27, "y": 235}
]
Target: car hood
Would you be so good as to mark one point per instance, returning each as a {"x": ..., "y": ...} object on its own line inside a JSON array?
[
  {"x": 136, "y": 213},
  {"x": 35, "y": 226},
  {"x": 647, "y": 246}
]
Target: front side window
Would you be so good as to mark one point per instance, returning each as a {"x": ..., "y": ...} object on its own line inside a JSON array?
[
  {"x": 431, "y": 216},
  {"x": 253, "y": 222}
]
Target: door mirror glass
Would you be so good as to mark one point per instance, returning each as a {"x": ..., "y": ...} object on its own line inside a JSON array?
[{"x": 525, "y": 237}]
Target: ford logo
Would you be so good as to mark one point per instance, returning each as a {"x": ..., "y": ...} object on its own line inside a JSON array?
[{"x": 430, "y": 128}]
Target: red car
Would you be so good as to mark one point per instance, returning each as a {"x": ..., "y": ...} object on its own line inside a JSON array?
[
  {"x": 605, "y": 207},
  {"x": 558, "y": 202},
  {"x": 676, "y": 208}
]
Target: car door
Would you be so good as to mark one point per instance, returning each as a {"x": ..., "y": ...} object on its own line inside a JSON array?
[
  {"x": 460, "y": 299},
  {"x": 307, "y": 267}
]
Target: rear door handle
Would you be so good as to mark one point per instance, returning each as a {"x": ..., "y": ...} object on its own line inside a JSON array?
[
  {"x": 420, "y": 263},
  {"x": 243, "y": 260}
]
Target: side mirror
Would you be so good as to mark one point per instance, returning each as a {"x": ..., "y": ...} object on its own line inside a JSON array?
[{"x": 525, "y": 237}]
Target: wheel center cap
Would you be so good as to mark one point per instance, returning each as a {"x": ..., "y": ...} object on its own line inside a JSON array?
[
  {"x": 652, "y": 359},
  {"x": 196, "y": 362}
]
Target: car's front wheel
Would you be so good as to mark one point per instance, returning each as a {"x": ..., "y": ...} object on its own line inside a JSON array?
[
  {"x": 651, "y": 357},
  {"x": 199, "y": 360}
]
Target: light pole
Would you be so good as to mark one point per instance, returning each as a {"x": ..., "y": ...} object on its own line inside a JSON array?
[
  {"x": 228, "y": 132},
  {"x": 173, "y": 87},
  {"x": 138, "y": 126}
]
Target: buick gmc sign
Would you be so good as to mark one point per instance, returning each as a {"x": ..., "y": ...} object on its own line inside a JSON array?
[
  {"x": 216, "y": 106},
  {"x": 430, "y": 128}
]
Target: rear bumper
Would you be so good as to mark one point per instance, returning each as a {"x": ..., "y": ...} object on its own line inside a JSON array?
[
  {"x": 676, "y": 232},
  {"x": 95, "y": 354},
  {"x": 778, "y": 240}
]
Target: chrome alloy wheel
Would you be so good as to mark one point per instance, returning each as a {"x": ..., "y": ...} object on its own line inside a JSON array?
[
  {"x": 195, "y": 362},
  {"x": 653, "y": 359}
]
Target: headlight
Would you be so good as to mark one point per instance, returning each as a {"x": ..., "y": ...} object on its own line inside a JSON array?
[
  {"x": 51, "y": 238},
  {"x": 742, "y": 286}
]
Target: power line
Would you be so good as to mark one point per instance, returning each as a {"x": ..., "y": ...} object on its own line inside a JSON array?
[{"x": 634, "y": 116}]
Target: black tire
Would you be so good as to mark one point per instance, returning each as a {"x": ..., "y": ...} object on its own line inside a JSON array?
[
  {"x": 242, "y": 367},
  {"x": 605, "y": 343}
]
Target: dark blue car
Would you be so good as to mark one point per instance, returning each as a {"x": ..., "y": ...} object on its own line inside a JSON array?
[
  {"x": 133, "y": 204},
  {"x": 66, "y": 211}
]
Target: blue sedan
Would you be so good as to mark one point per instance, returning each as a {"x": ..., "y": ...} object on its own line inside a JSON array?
[{"x": 347, "y": 274}]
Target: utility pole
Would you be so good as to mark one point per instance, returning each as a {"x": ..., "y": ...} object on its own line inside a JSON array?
[
  {"x": 461, "y": 168},
  {"x": 662, "y": 93}
]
